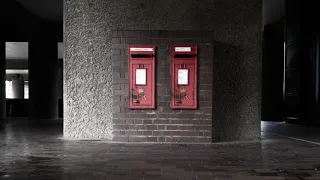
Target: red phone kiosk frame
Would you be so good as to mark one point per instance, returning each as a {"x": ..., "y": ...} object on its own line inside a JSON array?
[
  {"x": 183, "y": 77},
  {"x": 141, "y": 77}
]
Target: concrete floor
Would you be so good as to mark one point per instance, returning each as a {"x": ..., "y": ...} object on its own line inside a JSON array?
[
  {"x": 40, "y": 152},
  {"x": 297, "y": 132}
]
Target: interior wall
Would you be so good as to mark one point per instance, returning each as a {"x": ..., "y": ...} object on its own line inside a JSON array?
[
  {"x": 273, "y": 71},
  {"x": 302, "y": 63},
  {"x": 2, "y": 79}
]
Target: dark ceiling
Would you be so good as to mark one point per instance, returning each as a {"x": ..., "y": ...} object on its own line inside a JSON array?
[
  {"x": 273, "y": 10},
  {"x": 52, "y": 10},
  {"x": 47, "y": 9}
]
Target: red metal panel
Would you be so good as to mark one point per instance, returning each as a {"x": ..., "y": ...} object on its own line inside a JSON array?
[
  {"x": 183, "y": 77},
  {"x": 141, "y": 77}
]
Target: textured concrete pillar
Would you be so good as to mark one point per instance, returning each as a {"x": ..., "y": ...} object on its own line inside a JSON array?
[
  {"x": 88, "y": 73},
  {"x": 2, "y": 80},
  {"x": 43, "y": 77},
  {"x": 17, "y": 87}
]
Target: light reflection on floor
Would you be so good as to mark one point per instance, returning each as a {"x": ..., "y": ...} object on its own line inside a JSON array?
[{"x": 39, "y": 152}]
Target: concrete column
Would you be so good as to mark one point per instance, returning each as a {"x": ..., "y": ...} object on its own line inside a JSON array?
[
  {"x": 89, "y": 91},
  {"x": 17, "y": 87},
  {"x": 43, "y": 76},
  {"x": 2, "y": 80}
]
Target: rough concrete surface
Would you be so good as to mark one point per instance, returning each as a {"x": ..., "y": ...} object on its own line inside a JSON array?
[{"x": 88, "y": 72}]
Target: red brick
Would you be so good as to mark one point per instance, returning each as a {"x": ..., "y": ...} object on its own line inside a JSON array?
[
  {"x": 152, "y": 139},
  {"x": 147, "y": 133},
  {"x": 157, "y": 133},
  {"x": 120, "y": 127},
  {"x": 135, "y": 133},
  {"x": 170, "y": 127}
]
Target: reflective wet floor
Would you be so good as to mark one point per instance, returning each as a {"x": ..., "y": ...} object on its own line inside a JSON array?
[{"x": 40, "y": 152}]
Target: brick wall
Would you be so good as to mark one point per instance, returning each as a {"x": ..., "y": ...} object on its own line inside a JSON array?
[{"x": 162, "y": 124}]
